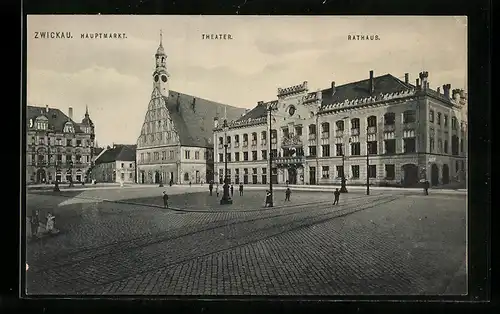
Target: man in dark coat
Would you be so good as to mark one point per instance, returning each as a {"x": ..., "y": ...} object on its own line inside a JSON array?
[
  {"x": 232, "y": 190},
  {"x": 241, "y": 189},
  {"x": 35, "y": 222},
  {"x": 336, "y": 194},
  {"x": 426, "y": 187},
  {"x": 268, "y": 198},
  {"x": 287, "y": 194},
  {"x": 165, "y": 199},
  {"x": 211, "y": 187}
]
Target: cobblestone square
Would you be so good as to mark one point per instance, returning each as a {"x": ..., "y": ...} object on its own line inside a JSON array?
[{"x": 122, "y": 242}]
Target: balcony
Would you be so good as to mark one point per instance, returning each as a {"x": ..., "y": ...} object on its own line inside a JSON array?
[
  {"x": 245, "y": 144},
  {"x": 389, "y": 128},
  {"x": 354, "y": 132},
  {"x": 254, "y": 142},
  {"x": 409, "y": 126},
  {"x": 291, "y": 141},
  {"x": 325, "y": 135},
  {"x": 236, "y": 144},
  {"x": 339, "y": 133},
  {"x": 371, "y": 130},
  {"x": 283, "y": 161},
  {"x": 263, "y": 142},
  {"x": 274, "y": 140},
  {"x": 312, "y": 136}
]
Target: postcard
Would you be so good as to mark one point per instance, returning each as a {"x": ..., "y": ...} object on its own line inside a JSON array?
[{"x": 246, "y": 155}]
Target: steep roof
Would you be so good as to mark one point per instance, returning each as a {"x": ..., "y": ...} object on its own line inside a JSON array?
[
  {"x": 382, "y": 84},
  {"x": 56, "y": 118},
  {"x": 117, "y": 153},
  {"x": 194, "y": 117}
]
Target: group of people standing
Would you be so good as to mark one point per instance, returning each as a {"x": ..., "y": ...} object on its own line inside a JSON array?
[
  {"x": 231, "y": 189},
  {"x": 36, "y": 228}
]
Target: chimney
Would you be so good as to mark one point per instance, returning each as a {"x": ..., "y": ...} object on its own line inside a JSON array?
[
  {"x": 216, "y": 122},
  {"x": 46, "y": 108},
  {"x": 372, "y": 85},
  {"x": 424, "y": 75},
  {"x": 456, "y": 94},
  {"x": 333, "y": 88},
  {"x": 407, "y": 78},
  {"x": 446, "y": 90},
  {"x": 417, "y": 83},
  {"x": 70, "y": 113}
]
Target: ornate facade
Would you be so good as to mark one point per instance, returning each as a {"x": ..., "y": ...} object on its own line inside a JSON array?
[
  {"x": 175, "y": 144},
  {"x": 58, "y": 148},
  {"x": 409, "y": 132}
]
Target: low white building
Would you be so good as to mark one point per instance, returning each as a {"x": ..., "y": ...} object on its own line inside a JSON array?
[{"x": 116, "y": 164}]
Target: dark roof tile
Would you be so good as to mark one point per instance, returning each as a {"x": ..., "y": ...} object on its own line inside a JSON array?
[
  {"x": 57, "y": 119},
  {"x": 117, "y": 153},
  {"x": 194, "y": 117}
]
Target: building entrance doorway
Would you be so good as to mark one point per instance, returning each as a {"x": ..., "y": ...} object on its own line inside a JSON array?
[
  {"x": 292, "y": 175},
  {"x": 410, "y": 175},
  {"x": 197, "y": 176},
  {"x": 312, "y": 175},
  {"x": 157, "y": 177},
  {"x": 141, "y": 179},
  {"x": 434, "y": 175},
  {"x": 446, "y": 174},
  {"x": 40, "y": 176}
]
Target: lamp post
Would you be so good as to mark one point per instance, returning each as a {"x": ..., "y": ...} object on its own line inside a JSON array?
[
  {"x": 343, "y": 188},
  {"x": 367, "y": 164},
  {"x": 226, "y": 199},
  {"x": 270, "y": 204},
  {"x": 161, "y": 177}
]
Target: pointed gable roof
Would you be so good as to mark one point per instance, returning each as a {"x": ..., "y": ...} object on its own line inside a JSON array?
[{"x": 194, "y": 117}]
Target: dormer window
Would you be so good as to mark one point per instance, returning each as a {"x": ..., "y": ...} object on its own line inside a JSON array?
[
  {"x": 41, "y": 123},
  {"x": 68, "y": 128}
]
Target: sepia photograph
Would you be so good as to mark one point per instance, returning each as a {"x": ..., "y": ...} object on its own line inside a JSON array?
[{"x": 198, "y": 155}]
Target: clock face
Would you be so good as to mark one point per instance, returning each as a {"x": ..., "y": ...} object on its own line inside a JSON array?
[
  {"x": 156, "y": 78},
  {"x": 164, "y": 78},
  {"x": 291, "y": 110}
]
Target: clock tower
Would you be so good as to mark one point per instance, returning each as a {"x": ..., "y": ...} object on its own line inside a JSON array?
[{"x": 160, "y": 75}]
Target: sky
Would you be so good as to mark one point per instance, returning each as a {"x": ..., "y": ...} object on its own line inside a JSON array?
[{"x": 113, "y": 77}]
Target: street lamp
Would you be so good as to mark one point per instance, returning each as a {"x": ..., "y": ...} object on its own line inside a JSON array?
[
  {"x": 270, "y": 203},
  {"x": 161, "y": 177},
  {"x": 343, "y": 188},
  {"x": 226, "y": 199},
  {"x": 367, "y": 164}
]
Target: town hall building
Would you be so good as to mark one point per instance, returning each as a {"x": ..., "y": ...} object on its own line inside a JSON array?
[
  {"x": 175, "y": 144},
  {"x": 384, "y": 128}
]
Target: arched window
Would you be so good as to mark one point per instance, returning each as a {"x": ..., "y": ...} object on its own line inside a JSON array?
[
  {"x": 236, "y": 138},
  {"x": 68, "y": 127},
  {"x": 221, "y": 140},
  {"x": 355, "y": 123},
  {"x": 389, "y": 118},
  {"x": 325, "y": 127},
  {"x": 42, "y": 123},
  {"x": 371, "y": 121},
  {"x": 312, "y": 129},
  {"x": 228, "y": 139},
  {"x": 409, "y": 116},
  {"x": 263, "y": 135},
  {"x": 340, "y": 125},
  {"x": 186, "y": 176},
  {"x": 254, "y": 136}
]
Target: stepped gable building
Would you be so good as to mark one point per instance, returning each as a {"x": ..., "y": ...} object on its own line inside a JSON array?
[
  {"x": 116, "y": 164},
  {"x": 175, "y": 144},
  {"x": 58, "y": 148},
  {"x": 409, "y": 131}
]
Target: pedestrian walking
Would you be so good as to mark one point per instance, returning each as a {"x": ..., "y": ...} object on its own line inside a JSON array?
[
  {"x": 232, "y": 190},
  {"x": 165, "y": 199},
  {"x": 189, "y": 183},
  {"x": 268, "y": 198},
  {"x": 211, "y": 187},
  {"x": 241, "y": 189},
  {"x": 35, "y": 222},
  {"x": 287, "y": 194},
  {"x": 217, "y": 189},
  {"x": 336, "y": 194},
  {"x": 426, "y": 187},
  {"x": 50, "y": 223}
]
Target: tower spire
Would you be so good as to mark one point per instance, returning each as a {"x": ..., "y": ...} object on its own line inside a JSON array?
[
  {"x": 161, "y": 37},
  {"x": 86, "y": 110}
]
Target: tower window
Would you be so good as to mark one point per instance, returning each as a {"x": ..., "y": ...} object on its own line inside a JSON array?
[{"x": 164, "y": 78}]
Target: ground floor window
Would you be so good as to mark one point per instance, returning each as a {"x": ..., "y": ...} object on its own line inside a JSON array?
[
  {"x": 325, "y": 172},
  {"x": 372, "y": 171},
  {"x": 340, "y": 171},
  {"x": 390, "y": 172},
  {"x": 355, "y": 171},
  {"x": 78, "y": 178},
  {"x": 186, "y": 176},
  {"x": 264, "y": 179}
]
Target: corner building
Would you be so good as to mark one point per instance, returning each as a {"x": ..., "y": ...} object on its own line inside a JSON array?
[
  {"x": 409, "y": 131},
  {"x": 58, "y": 148},
  {"x": 175, "y": 143}
]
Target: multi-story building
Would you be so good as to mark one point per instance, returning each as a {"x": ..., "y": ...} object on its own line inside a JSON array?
[
  {"x": 58, "y": 148},
  {"x": 175, "y": 144},
  {"x": 409, "y": 132},
  {"x": 116, "y": 164}
]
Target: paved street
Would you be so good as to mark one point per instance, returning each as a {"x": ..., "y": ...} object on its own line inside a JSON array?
[{"x": 391, "y": 242}]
